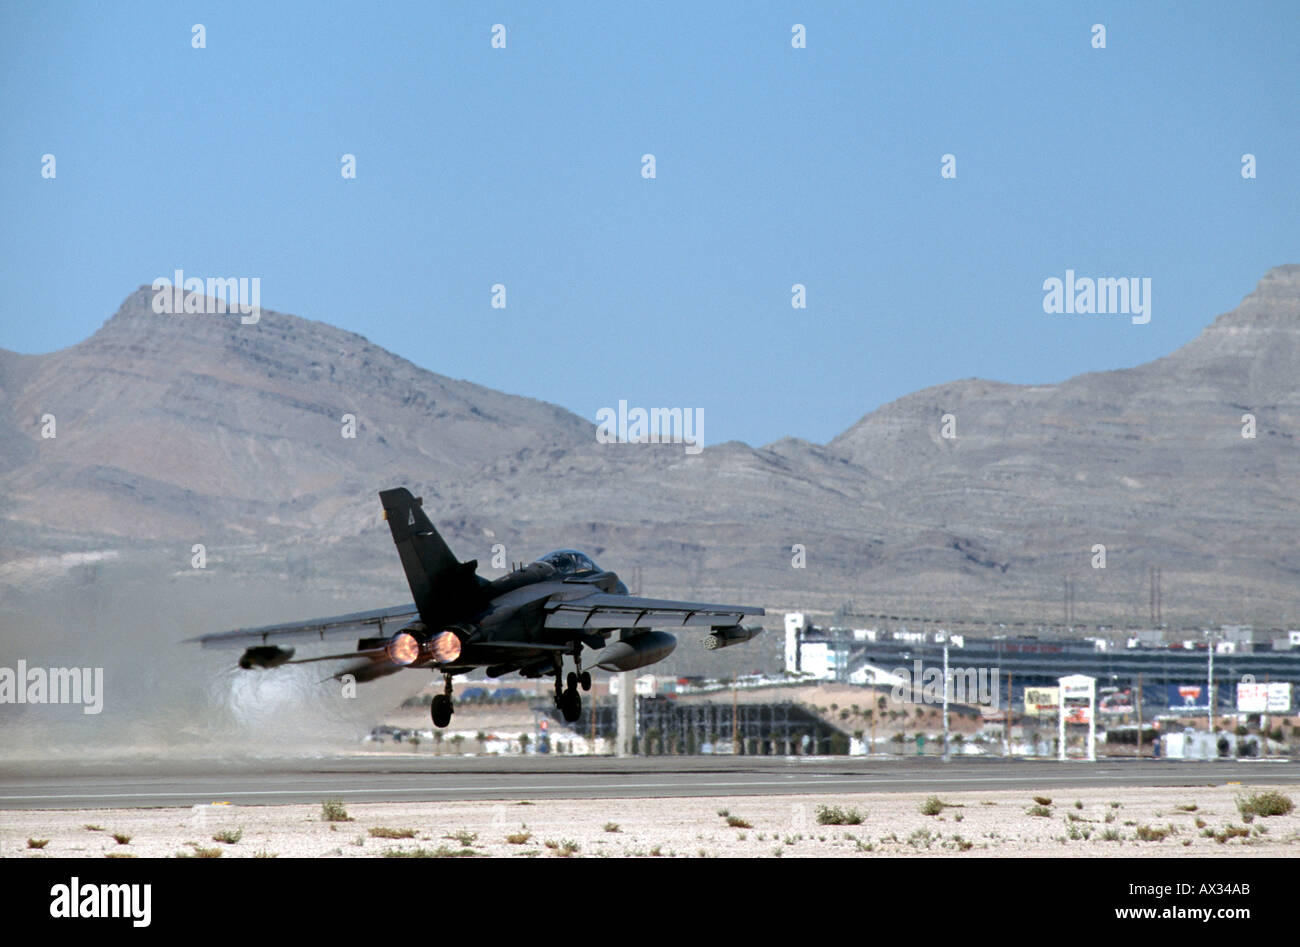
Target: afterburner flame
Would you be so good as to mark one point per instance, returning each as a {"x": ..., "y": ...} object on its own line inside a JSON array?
[
  {"x": 403, "y": 649},
  {"x": 445, "y": 647}
]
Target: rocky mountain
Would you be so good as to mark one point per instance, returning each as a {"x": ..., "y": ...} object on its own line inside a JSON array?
[
  {"x": 169, "y": 426},
  {"x": 173, "y": 430},
  {"x": 1150, "y": 462}
]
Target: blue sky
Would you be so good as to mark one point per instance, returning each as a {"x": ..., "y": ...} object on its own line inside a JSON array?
[{"x": 775, "y": 166}]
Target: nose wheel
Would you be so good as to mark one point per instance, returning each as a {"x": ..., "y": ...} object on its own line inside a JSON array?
[{"x": 441, "y": 709}]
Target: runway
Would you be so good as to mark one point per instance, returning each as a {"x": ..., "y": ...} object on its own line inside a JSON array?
[{"x": 392, "y": 778}]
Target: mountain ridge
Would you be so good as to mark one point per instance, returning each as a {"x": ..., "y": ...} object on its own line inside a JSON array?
[{"x": 179, "y": 429}]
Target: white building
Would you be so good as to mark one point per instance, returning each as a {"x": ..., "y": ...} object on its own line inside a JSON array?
[
  {"x": 794, "y": 626},
  {"x": 646, "y": 685},
  {"x": 870, "y": 674},
  {"x": 808, "y": 651},
  {"x": 818, "y": 658}
]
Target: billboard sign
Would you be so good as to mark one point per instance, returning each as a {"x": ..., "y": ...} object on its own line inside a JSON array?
[
  {"x": 1077, "y": 713},
  {"x": 1116, "y": 702},
  {"x": 1078, "y": 685},
  {"x": 1042, "y": 701},
  {"x": 1188, "y": 696},
  {"x": 1263, "y": 698}
]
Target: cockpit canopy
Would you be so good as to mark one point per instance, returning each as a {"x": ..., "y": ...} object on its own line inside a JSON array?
[{"x": 570, "y": 562}]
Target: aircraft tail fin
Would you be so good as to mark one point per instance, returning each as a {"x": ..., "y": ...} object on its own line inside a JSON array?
[{"x": 442, "y": 587}]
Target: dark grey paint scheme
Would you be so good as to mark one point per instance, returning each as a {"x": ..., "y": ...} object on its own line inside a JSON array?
[{"x": 524, "y": 622}]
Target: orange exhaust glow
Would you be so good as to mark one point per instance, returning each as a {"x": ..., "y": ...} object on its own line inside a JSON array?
[
  {"x": 444, "y": 648},
  {"x": 403, "y": 649}
]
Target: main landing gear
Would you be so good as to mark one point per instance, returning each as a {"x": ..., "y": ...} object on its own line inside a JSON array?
[
  {"x": 566, "y": 698},
  {"x": 441, "y": 709}
]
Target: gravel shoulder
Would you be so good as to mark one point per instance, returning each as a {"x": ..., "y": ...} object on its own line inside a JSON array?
[{"x": 1083, "y": 823}]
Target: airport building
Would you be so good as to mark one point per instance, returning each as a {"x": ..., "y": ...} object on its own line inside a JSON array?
[
  {"x": 1172, "y": 666},
  {"x": 812, "y": 653}
]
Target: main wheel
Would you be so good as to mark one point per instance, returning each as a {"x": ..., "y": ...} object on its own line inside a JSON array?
[
  {"x": 571, "y": 680},
  {"x": 441, "y": 710},
  {"x": 571, "y": 706}
]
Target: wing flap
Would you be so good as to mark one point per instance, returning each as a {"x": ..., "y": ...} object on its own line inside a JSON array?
[
  {"x": 373, "y": 623},
  {"x": 606, "y": 610}
]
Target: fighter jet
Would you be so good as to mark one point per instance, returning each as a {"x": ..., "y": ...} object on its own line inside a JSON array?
[{"x": 526, "y": 622}]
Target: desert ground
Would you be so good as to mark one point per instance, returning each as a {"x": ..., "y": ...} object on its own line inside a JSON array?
[{"x": 1189, "y": 821}]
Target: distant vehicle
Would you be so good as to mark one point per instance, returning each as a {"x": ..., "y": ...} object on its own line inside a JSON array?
[{"x": 526, "y": 622}]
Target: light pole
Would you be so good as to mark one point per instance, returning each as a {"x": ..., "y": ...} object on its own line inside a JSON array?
[
  {"x": 946, "y": 752},
  {"x": 1209, "y": 680}
]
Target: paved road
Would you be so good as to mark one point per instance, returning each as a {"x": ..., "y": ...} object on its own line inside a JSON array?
[{"x": 381, "y": 778}]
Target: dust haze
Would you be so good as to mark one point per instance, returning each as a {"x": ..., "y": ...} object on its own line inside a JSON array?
[{"x": 163, "y": 699}]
